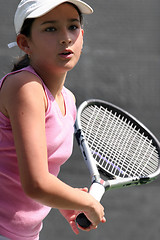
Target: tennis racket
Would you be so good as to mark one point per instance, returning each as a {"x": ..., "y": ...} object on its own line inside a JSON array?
[{"x": 118, "y": 149}]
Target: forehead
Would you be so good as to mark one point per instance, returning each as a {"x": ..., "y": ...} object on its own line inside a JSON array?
[{"x": 61, "y": 12}]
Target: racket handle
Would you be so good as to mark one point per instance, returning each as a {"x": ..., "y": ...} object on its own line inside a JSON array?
[
  {"x": 83, "y": 221},
  {"x": 97, "y": 190}
]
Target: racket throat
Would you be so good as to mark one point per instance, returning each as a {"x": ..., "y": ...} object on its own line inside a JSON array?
[{"x": 97, "y": 190}]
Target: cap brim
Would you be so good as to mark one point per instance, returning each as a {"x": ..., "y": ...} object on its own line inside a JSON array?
[{"x": 42, "y": 10}]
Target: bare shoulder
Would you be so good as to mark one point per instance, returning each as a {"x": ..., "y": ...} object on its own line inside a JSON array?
[
  {"x": 22, "y": 87},
  {"x": 17, "y": 80}
]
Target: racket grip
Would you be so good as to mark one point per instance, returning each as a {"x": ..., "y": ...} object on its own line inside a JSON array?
[
  {"x": 83, "y": 221},
  {"x": 97, "y": 190}
]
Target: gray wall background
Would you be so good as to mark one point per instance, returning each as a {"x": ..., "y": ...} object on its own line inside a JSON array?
[{"x": 120, "y": 64}]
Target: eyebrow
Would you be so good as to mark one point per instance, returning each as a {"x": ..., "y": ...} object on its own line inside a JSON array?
[{"x": 54, "y": 21}]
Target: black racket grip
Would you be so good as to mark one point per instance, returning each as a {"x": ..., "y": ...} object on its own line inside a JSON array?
[{"x": 83, "y": 221}]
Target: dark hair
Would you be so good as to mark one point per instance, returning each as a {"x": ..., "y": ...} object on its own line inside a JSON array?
[{"x": 26, "y": 30}]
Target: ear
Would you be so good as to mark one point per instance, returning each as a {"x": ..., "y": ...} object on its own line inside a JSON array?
[
  {"x": 82, "y": 32},
  {"x": 23, "y": 43}
]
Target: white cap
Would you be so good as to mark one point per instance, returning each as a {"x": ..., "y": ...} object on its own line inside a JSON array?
[{"x": 38, "y": 8}]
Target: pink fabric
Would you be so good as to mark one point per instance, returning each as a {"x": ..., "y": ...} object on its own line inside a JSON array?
[{"x": 21, "y": 217}]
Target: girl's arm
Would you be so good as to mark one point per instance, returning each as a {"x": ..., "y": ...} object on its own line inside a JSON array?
[{"x": 25, "y": 103}]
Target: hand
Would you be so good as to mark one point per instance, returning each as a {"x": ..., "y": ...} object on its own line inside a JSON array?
[
  {"x": 70, "y": 216},
  {"x": 95, "y": 215}
]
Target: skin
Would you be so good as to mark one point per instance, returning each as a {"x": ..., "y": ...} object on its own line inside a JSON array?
[{"x": 23, "y": 101}]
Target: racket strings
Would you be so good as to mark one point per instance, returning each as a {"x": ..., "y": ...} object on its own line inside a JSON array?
[{"x": 117, "y": 145}]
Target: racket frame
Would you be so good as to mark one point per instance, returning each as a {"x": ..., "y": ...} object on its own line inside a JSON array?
[
  {"x": 92, "y": 165},
  {"x": 99, "y": 185}
]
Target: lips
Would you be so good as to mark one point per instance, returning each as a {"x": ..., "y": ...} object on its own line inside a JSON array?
[{"x": 66, "y": 54}]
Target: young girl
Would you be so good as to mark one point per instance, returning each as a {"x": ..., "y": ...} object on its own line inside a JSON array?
[{"x": 37, "y": 114}]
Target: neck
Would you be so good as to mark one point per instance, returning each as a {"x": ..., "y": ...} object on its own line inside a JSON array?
[{"x": 53, "y": 81}]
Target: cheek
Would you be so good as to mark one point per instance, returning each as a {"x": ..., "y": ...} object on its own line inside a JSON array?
[
  {"x": 79, "y": 45},
  {"x": 43, "y": 47}
]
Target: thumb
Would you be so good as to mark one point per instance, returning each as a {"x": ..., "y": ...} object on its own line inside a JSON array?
[{"x": 74, "y": 227}]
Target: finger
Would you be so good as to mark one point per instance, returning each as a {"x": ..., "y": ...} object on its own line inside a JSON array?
[
  {"x": 95, "y": 227},
  {"x": 103, "y": 220},
  {"x": 74, "y": 227},
  {"x": 73, "y": 217},
  {"x": 84, "y": 229},
  {"x": 85, "y": 189}
]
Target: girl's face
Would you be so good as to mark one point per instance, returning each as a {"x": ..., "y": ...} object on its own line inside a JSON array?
[{"x": 56, "y": 39}]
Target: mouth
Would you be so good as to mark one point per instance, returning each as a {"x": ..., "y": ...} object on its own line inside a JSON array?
[{"x": 66, "y": 54}]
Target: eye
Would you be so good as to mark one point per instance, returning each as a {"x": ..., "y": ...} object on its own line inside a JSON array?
[
  {"x": 50, "y": 29},
  {"x": 73, "y": 27}
]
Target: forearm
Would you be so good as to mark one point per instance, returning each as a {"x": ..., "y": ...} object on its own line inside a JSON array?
[{"x": 54, "y": 193}]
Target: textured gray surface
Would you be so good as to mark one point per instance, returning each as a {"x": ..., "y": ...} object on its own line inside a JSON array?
[{"x": 121, "y": 64}]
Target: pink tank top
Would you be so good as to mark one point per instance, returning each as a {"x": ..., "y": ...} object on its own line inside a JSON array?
[{"x": 21, "y": 217}]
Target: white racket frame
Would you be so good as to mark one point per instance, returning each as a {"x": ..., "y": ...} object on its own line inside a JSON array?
[{"x": 99, "y": 186}]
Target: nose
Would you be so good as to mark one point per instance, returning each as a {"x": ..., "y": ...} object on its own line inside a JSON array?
[
  {"x": 65, "y": 41},
  {"x": 65, "y": 38}
]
